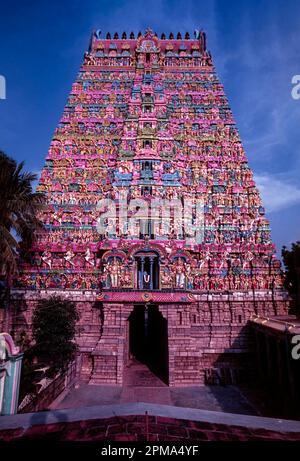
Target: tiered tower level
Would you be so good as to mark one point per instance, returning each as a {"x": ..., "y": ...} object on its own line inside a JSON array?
[{"x": 147, "y": 120}]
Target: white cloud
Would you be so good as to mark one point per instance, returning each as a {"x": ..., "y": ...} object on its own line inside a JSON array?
[{"x": 277, "y": 193}]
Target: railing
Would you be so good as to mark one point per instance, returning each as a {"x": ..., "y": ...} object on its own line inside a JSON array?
[
  {"x": 52, "y": 389},
  {"x": 277, "y": 324}
]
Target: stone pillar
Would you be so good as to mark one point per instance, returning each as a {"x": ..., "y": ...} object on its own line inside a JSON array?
[
  {"x": 141, "y": 278},
  {"x": 151, "y": 272},
  {"x": 183, "y": 347},
  {"x": 108, "y": 355},
  {"x": 136, "y": 275}
]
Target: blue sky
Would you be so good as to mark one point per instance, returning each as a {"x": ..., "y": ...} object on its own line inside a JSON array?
[{"x": 255, "y": 46}]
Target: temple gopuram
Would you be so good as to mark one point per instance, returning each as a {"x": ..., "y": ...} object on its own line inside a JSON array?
[{"x": 153, "y": 223}]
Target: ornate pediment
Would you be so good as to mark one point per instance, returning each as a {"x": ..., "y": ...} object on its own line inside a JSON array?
[{"x": 148, "y": 43}]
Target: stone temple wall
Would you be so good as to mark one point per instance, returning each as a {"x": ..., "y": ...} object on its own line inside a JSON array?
[
  {"x": 209, "y": 340},
  {"x": 154, "y": 428}
]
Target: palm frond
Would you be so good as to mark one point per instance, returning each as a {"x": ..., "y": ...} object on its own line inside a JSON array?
[{"x": 19, "y": 205}]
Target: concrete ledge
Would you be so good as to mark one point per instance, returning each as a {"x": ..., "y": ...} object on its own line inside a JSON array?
[{"x": 133, "y": 409}]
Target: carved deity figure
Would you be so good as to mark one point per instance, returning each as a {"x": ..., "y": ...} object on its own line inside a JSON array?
[
  {"x": 68, "y": 257},
  {"x": 113, "y": 269},
  {"x": 180, "y": 275},
  {"x": 46, "y": 257},
  {"x": 247, "y": 259},
  {"x": 189, "y": 277},
  {"x": 205, "y": 258},
  {"x": 89, "y": 257},
  {"x": 166, "y": 279}
]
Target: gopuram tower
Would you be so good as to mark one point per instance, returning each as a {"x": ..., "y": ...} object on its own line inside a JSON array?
[{"x": 153, "y": 223}]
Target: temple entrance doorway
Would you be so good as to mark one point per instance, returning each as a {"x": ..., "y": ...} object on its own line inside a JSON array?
[{"x": 148, "y": 340}]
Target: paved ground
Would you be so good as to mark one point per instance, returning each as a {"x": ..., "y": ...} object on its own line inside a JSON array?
[{"x": 140, "y": 385}]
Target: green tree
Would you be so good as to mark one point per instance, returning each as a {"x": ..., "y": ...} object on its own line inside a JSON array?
[
  {"x": 18, "y": 208},
  {"x": 54, "y": 327},
  {"x": 28, "y": 375},
  {"x": 18, "y": 222}
]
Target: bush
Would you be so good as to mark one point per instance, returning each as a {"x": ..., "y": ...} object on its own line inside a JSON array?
[{"x": 54, "y": 326}]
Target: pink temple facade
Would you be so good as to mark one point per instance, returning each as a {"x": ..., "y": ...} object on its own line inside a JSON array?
[{"x": 147, "y": 123}]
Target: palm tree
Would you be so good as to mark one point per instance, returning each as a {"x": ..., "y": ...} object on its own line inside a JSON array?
[{"x": 18, "y": 207}]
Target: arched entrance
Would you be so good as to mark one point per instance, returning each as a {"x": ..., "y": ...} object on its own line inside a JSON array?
[{"x": 148, "y": 339}]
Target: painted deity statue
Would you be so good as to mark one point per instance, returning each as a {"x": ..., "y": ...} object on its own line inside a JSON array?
[
  {"x": 89, "y": 257},
  {"x": 180, "y": 273},
  {"x": 69, "y": 257},
  {"x": 46, "y": 257},
  {"x": 113, "y": 270}
]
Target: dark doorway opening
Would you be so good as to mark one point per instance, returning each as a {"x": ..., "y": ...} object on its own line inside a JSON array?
[{"x": 148, "y": 339}]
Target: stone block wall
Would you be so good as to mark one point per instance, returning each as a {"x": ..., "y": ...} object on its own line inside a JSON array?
[
  {"x": 142, "y": 428},
  {"x": 209, "y": 339}
]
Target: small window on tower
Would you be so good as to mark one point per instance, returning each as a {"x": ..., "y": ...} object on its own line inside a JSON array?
[
  {"x": 147, "y": 143},
  {"x": 146, "y": 191},
  {"x": 147, "y": 57},
  {"x": 146, "y": 166}
]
